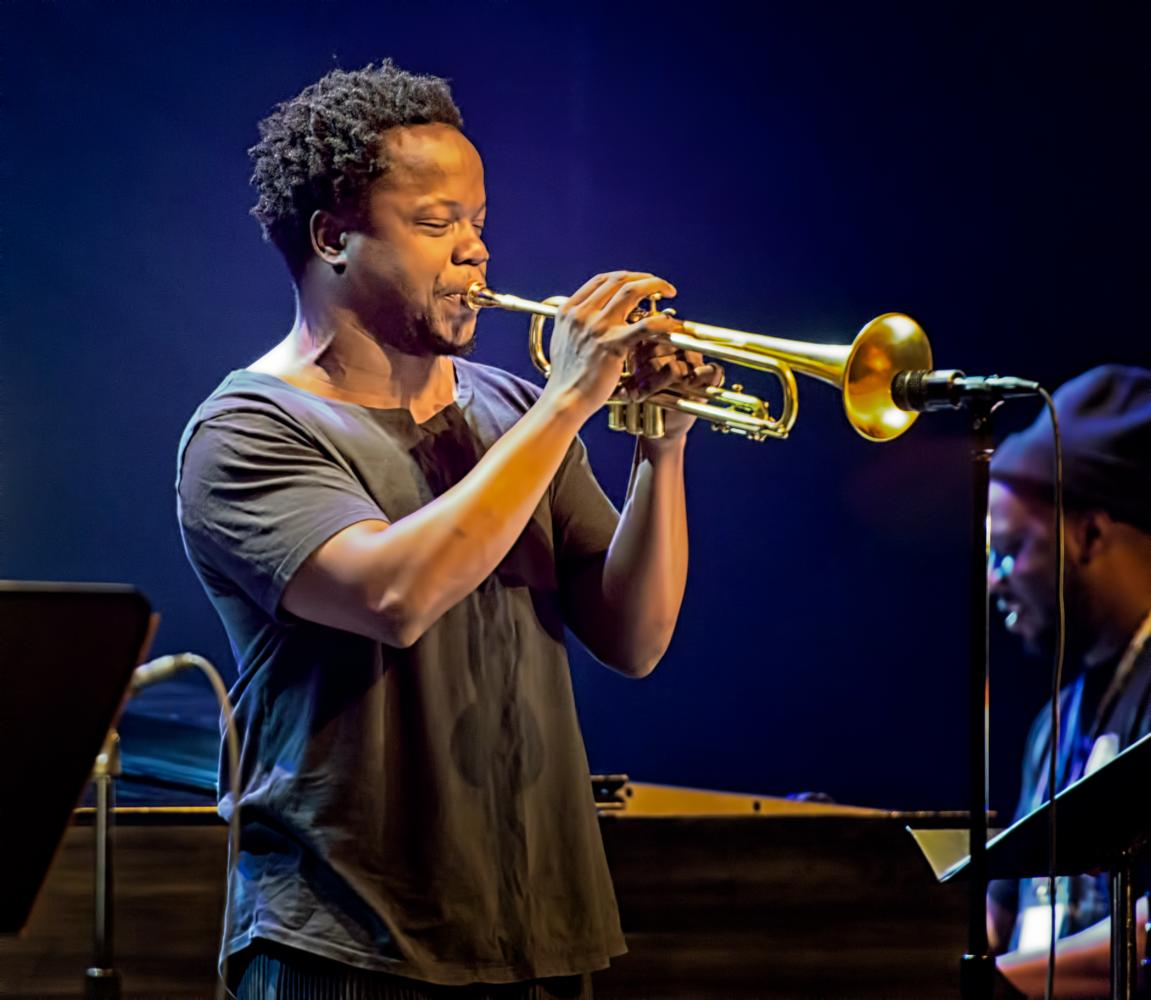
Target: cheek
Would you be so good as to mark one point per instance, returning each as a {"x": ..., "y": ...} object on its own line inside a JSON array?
[
  {"x": 423, "y": 280},
  {"x": 403, "y": 260},
  {"x": 423, "y": 255},
  {"x": 1035, "y": 581}
]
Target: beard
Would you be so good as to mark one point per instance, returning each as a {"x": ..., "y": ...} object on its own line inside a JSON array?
[
  {"x": 421, "y": 335},
  {"x": 431, "y": 341}
]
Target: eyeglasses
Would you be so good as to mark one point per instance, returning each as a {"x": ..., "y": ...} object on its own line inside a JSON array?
[{"x": 1000, "y": 565}]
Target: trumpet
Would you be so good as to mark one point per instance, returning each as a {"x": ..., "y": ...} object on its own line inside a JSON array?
[{"x": 861, "y": 370}]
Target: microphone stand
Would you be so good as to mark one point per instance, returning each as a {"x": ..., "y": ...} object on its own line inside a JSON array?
[
  {"x": 921, "y": 391},
  {"x": 101, "y": 980},
  {"x": 977, "y": 967}
]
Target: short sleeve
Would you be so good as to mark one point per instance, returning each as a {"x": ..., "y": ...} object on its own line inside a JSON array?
[
  {"x": 257, "y": 495},
  {"x": 583, "y": 518}
]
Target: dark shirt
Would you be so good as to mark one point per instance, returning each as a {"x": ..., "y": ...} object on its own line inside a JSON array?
[
  {"x": 422, "y": 811},
  {"x": 1083, "y": 719}
]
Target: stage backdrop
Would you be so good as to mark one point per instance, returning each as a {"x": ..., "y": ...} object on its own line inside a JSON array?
[{"x": 796, "y": 171}]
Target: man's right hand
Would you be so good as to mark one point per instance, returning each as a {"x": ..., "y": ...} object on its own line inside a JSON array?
[{"x": 592, "y": 337}]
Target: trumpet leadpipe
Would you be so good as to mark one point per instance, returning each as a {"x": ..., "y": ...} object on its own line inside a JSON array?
[{"x": 480, "y": 296}]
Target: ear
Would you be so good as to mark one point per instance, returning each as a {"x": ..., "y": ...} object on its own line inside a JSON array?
[
  {"x": 329, "y": 236},
  {"x": 1088, "y": 533}
]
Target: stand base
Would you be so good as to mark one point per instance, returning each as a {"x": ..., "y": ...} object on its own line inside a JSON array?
[
  {"x": 976, "y": 977},
  {"x": 101, "y": 984}
]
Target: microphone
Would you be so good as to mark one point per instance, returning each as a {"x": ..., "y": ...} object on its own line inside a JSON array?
[
  {"x": 160, "y": 669},
  {"x": 948, "y": 389}
]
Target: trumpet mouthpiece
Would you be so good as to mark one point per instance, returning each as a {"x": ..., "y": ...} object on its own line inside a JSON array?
[{"x": 478, "y": 295}]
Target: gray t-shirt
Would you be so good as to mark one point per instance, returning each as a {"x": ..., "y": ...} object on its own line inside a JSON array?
[{"x": 422, "y": 811}]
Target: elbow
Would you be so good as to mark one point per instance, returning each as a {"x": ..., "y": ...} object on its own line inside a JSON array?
[
  {"x": 400, "y": 637},
  {"x": 636, "y": 662},
  {"x": 633, "y": 652},
  {"x": 396, "y": 621},
  {"x": 645, "y": 648},
  {"x": 637, "y": 669}
]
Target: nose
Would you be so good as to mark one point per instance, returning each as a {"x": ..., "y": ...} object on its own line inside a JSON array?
[{"x": 471, "y": 248}]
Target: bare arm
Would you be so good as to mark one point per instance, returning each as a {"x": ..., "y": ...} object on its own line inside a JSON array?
[
  {"x": 625, "y": 610},
  {"x": 392, "y": 581}
]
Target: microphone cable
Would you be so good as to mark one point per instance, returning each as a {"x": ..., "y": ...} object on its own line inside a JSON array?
[
  {"x": 161, "y": 669},
  {"x": 1056, "y": 684}
]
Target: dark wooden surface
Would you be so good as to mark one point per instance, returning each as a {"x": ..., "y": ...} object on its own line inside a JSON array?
[
  {"x": 723, "y": 907},
  {"x": 779, "y": 907}
]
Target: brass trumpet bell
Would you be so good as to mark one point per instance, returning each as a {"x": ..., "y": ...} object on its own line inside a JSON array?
[
  {"x": 861, "y": 370},
  {"x": 889, "y": 344}
]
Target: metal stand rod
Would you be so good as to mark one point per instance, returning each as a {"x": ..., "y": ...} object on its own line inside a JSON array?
[
  {"x": 977, "y": 968},
  {"x": 1124, "y": 956},
  {"x": 101, "y": 980},
  {"x": 1145, "y": 964}
]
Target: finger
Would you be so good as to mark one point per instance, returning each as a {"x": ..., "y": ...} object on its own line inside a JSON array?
[
  {"x": 629, "y": 295},
  {"x": 623, "y": 290},
  {"x": 638, "y": 387},
  {"x": 659, "y": 374},
  {"x": 700, "y": 372},
  {"x": 706, "y": 375},
  {"x": 623, "y": 337},
  {"x": 598, "y": 289},
  {"x": 665, "y": 363},
  {"x": 661, "y": 348},
  {"x": 587, "y": 289}
]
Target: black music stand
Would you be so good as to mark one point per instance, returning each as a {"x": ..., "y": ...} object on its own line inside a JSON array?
[
  {"x": 1104, "y": 822},
  {"x": 67, "y": 652}
]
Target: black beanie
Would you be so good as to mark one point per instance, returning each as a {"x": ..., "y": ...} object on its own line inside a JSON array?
[{"x": 1105, "y": 420}]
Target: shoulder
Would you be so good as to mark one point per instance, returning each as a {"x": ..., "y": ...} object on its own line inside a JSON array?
[
  {"x": 252, "y": 398},
  {"x": 485, "y": 384},
  {"x": 1039, "y": 736},
  {"x": 252, "y": 391},
  {"x": 247, "y": 412}
]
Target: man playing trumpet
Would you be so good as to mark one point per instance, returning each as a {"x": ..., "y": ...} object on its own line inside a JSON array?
[{"x": 395, "y": 539}]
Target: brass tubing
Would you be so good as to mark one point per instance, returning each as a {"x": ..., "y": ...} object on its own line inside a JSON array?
[
  {"x": 862, "y": 371},
  {"x": 822, "y": 361}
]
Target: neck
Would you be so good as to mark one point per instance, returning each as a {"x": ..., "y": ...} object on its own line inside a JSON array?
[
  {"x": 329, "y": 352},
  {"x": 1116, "y": 584},
  {"x": 1122, "y": 623}
]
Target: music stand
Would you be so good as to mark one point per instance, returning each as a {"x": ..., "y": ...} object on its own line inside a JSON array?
[
  {"x": 1104, "y": 822},
  {"x": 67, "y": 652}
]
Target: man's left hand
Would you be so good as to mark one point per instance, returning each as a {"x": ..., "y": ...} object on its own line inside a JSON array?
[{"x": 658, "y": 365}]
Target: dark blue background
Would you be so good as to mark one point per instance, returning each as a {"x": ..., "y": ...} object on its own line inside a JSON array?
[{"x": 794, "y": 169}]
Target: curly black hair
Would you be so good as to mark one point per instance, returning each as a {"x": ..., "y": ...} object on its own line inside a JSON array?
[{"x": 321, "y": 149}]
